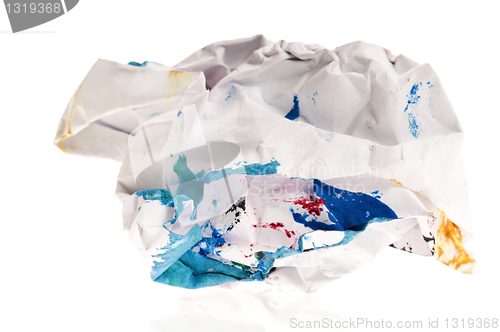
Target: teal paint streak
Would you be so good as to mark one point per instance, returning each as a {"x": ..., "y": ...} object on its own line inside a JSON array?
[
  {"x": 190, "y": 186},
  {"x": 182, "y": 170},
  {"x": 177, "y": 246},
  {"x": 251, "y": 169},
  {"x": 137, "y": 64},
  {"x": 162, "y": 195}
]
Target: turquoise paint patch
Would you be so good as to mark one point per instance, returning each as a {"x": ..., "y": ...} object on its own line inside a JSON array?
[{"x": 184, "y": 267}]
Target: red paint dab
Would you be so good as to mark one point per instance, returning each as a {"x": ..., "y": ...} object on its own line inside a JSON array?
[
  {"x": 312, "y": 206},
  {"x": 277, "y": 226}
]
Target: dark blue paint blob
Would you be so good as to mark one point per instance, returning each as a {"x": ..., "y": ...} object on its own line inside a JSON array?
[
  {"x": 208, "y": 245},
  {"x": 349, "y": 209},
  {"x": 137, "y": 64},
  {"x": 313, "y": 224},
  {"x": 295, "y": 111}
]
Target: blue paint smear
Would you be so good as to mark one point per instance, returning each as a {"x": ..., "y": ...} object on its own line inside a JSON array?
[
  {"x": 208, "y": 245},
  {"x": 413, "y": 98},
  {"x": 295, "y": 111},
  {"x": 347, "y": 211},
  {"x": 137, "y": 64},
  {"x": 314, "y": 100},
  {"x": 376, "y": 194},
  {"x": 330, "y": 137},
  {"x": 231, "y": 93},
  {"x": 413, "y": 124},
  {"x": 179, "y": 113}
]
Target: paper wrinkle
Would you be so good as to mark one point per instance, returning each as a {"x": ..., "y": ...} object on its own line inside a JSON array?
[{"x": 206, "y": 143}]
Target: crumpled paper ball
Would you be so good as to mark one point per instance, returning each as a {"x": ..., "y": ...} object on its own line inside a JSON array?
[{"x": 285, "y": 162}]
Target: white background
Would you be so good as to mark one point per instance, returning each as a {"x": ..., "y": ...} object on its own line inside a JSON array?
[{"x": 67, "y": 266}]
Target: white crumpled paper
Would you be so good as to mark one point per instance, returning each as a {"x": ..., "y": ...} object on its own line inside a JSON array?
[{"x": 284, "y": 162}]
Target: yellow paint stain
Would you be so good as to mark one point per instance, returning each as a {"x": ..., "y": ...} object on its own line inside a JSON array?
[
  {"x": 397, "y": 182},
  {"x": 449, "y": 248},
  {"x": 175, "y": 73},
  {"x": 178, "y": 80}
]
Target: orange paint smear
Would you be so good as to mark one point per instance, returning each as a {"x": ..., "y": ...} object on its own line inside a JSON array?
[
  {"x": 62, "y": 148},
  {"x": 397, "y": 182},
  {"x": 70, "y": 117},
  {"x": 63, "y": 137},
  {"x": 449, "y": 248}
]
